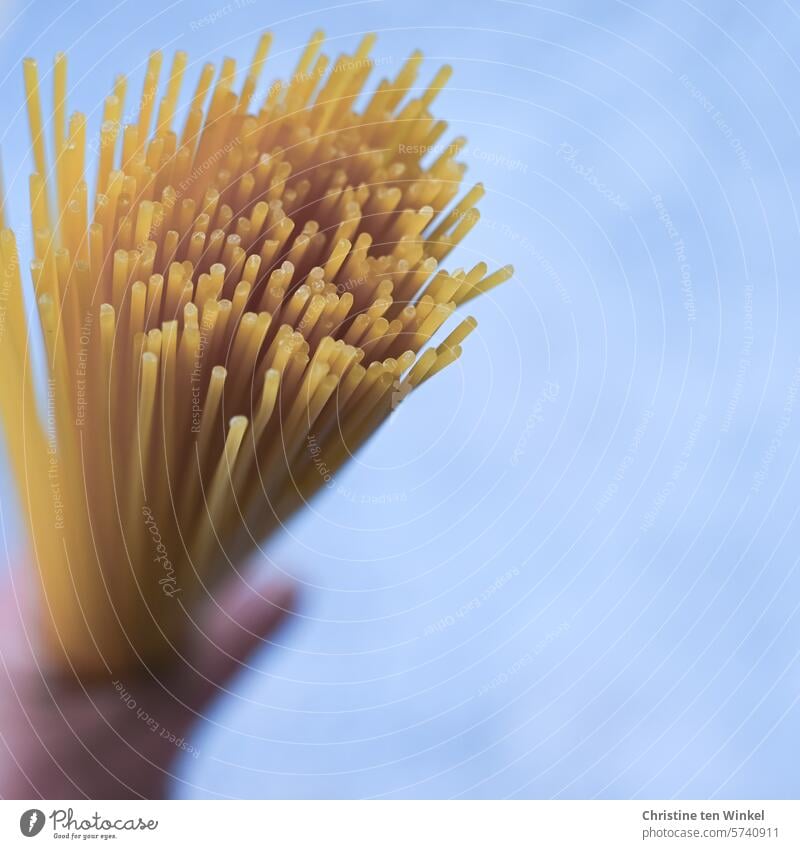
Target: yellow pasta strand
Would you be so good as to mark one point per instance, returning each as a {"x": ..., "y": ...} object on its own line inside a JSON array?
[{"x": 233, "y": 315}]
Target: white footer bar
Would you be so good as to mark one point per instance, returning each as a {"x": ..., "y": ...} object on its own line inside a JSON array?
[{"x": 404, "y": 824}]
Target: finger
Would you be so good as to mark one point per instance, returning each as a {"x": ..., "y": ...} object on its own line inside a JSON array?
[
  {"x": 241, "y": 621},
  {"x": 18, "y": 610}
]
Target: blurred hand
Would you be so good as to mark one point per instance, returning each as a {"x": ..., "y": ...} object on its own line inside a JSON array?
[{"x": 119, "y": 738}]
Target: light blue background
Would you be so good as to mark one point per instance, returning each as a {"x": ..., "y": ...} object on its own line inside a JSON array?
[{"x": 641, "y": 642}]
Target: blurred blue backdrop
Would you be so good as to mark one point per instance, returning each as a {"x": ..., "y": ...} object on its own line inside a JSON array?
[{"x": 568, "y": 568}]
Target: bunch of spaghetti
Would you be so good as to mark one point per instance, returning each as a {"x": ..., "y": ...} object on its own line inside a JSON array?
[{"x": 239, "y": 306}]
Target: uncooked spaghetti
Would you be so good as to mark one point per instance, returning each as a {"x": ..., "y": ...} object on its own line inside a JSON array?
[{"x": 248, "y": 299}]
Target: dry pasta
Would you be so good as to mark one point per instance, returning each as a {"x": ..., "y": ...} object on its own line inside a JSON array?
[{"x": 233, "y": 310}]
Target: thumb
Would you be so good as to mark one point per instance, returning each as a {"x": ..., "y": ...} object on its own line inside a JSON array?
[{"x": 238, "y": 623}]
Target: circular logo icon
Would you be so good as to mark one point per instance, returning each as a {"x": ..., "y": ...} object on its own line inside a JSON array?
[{"x": 31, "y": 822}]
